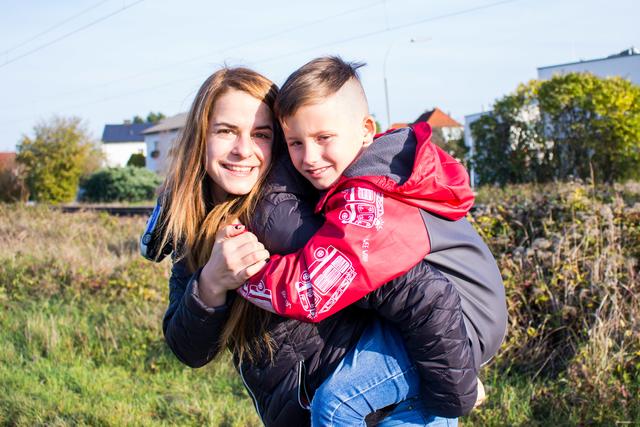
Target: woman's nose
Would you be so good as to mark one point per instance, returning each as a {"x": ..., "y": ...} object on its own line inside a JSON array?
[{"x": 243, "y": 146}]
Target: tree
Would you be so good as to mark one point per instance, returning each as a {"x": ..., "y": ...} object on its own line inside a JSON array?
[
  {"x": 151, "y": 118},
  {"x": 12, "y": 184},
  {"x": 509, "y": 145},
  {"x": 574, "y": 125},
  {"x": 595, "y": 126},
  {"x": 137, "y": 160},
  {"x": 155, "y": 117},
  {"x": 55, "y": 159}
]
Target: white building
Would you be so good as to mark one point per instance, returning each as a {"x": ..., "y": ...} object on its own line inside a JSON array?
[
  {"x": 468, "y": 140},
  {"x": 119, "y": 142},
  {"x": 625, "y": 64},
  {"x": 158, "y": 140}
]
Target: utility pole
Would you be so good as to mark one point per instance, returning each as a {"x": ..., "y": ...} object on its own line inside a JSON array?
[{"x": 384, "y": 74}]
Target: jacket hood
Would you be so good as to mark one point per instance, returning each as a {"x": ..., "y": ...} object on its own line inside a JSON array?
[{"x": 406, "y": 165}]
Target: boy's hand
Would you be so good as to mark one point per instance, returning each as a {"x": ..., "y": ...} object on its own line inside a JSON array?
[{"x": 481, "y": 395}]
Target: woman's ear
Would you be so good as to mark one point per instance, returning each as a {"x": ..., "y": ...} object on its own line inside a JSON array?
[{"x": 369, "y": 130}]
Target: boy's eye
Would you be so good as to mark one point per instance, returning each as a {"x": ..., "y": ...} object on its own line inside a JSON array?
[
  {"x": 324, "y": 137},
  {"x": 294, "y": 143}
]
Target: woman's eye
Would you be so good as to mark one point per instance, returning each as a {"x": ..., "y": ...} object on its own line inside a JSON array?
[
  {"x": 324, "y": 137},
  {"x": 224, "y": 131},
  {"x": 295, "y": 143},
  {"x": 261, "y": 135}
]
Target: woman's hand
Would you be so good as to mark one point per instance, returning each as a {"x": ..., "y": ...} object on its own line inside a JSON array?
[{"x": 236, "y": 256}]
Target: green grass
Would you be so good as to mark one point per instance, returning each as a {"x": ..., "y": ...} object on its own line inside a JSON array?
[
  {"x": 80, "y": 331},
  {"x": 96, "y": 363},
  {"x": 81, "y": 312}
]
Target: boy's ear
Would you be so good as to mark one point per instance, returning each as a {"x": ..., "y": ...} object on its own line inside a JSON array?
[{"x": 369, "y": 130}]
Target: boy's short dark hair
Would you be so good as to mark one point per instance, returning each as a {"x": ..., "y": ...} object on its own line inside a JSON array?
[{"x": 314, "y": 81}]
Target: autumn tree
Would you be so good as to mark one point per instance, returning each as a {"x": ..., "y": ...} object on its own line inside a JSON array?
[{"x": 60, "y": 152}]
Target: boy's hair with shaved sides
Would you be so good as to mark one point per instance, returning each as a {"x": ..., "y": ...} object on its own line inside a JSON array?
[{"x": 315, "y": 81}]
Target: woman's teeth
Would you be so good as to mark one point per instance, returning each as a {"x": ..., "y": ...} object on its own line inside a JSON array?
[{"x": 239, "y": 169}]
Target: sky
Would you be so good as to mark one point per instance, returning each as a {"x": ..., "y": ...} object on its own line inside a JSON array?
[{"x": 107, "y": 61}]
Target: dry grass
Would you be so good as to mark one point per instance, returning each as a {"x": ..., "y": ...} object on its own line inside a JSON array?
[{"x": 569, "y": 257}]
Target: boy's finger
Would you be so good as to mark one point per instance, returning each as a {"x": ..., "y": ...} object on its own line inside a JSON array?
[{"x": 229, "y": 231}]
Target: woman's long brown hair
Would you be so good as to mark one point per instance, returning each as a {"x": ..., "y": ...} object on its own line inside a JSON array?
[{"x": 193, "y": 217}]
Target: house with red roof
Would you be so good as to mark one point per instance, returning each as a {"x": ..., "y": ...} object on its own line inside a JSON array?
[
  {"x": 448, "y": 127},
  {"x": 7, "y": 160}
]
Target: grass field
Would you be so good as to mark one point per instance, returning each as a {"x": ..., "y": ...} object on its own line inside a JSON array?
[{"x": 80, "y": 316}]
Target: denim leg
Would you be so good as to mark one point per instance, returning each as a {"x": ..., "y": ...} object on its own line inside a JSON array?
[
  {"x": 412, "y": 413},
  {"x": 375, "y": 374}
]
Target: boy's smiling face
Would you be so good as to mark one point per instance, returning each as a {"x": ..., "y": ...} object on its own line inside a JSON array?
[{"x": 324, "y": 138}]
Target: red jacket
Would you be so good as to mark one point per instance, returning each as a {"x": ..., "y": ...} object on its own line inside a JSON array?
[{"x": 373, "y": 233}]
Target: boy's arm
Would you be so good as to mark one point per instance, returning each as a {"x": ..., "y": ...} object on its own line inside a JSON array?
[
  {"x": 367, "y": 239},
  {"x": 425, "y": 307}
]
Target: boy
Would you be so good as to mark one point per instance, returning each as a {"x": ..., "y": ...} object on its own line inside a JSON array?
[{"x": 381, "y": 218}]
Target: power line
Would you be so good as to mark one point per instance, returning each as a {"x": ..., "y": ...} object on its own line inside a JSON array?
[
  {"x": 64, "y": 36},
  {"x": 340, "y": 41},
  {"x": 390, "y": 29},
  {"x": 217, "y": 51},
  {"x": 53, "y": 27}
]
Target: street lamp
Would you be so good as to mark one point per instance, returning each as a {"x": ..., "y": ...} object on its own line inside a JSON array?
[{"x": 384, "y": 73}]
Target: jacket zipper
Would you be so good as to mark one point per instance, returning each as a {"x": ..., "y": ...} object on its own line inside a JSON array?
[
  {"x": 302, "y": 385},
  {"x": 253, "y": 397}
]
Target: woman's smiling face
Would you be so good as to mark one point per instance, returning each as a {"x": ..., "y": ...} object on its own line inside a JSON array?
[{"x": 239, "y": 143}]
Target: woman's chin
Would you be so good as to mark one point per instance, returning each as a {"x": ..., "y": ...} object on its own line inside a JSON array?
[{"x": 240, "y": 189}]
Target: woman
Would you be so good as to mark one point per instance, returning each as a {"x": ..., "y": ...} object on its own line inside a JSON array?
[
  {"x": 213, "y": 181},
  {"x": 216, "y": 175}
]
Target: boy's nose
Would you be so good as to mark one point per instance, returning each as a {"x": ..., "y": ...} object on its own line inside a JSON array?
[{"x": 311, "y": 154}]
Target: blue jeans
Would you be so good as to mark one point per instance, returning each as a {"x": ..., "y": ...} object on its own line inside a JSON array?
[{"x": 375, "y": 374}]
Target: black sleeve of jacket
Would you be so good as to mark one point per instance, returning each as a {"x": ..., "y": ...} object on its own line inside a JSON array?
[
  {"x": 190, "y": 328},
  {"x": 287, "y": 223},
  {"x": 425, "y": 307}
]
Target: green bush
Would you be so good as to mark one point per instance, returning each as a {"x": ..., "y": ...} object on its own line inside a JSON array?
[{"x": 131, "y": 184}]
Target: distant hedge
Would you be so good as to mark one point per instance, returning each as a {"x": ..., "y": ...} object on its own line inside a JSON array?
[{"x": 120, "y": 184}]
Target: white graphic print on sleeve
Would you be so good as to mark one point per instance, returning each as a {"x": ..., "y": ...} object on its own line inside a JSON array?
[
  {"x": 258, "y": 295},
  {"x": 329, "y": 275},
  {"x": 364, "y": 208}
]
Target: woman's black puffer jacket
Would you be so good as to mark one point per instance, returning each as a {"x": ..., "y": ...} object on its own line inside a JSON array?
[{"x": 422, "y": 304}]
